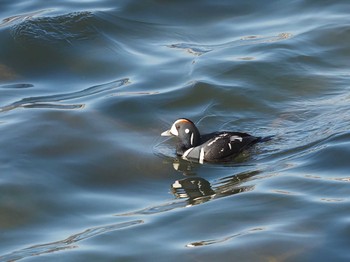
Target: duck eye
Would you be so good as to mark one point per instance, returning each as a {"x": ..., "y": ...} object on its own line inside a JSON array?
[{"x": 177, "y": 127}]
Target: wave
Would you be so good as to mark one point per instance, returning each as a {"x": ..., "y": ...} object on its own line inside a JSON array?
[
  {"x": 54, "y": 29},
  {"x": 68, "y": 243},
  {"x": 200, "y": 49},
  {"x": 47, "y": 101}
]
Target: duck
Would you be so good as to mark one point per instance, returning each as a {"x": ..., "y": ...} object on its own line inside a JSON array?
[{"x": 219, "y": 146}]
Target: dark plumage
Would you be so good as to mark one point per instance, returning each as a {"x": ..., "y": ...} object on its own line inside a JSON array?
[{"x": 213, "y": 147}]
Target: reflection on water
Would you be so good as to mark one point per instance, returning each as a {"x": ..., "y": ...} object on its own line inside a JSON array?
[
  {"x": 195, "y": 190},
  {"x": 192, "y": 188}
]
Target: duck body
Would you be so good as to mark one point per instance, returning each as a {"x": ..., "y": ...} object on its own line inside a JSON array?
[{"x": 214, "y": 147}]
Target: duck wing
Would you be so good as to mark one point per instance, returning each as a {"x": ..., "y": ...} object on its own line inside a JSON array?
[
  {"x": 227, "y": 145},
  {"x": 220, "y": 146}
]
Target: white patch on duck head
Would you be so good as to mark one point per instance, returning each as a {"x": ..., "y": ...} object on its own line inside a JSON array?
[{"x": 173, "y": 130}]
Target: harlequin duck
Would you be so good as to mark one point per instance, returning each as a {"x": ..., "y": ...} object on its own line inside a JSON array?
[{"x": 213, "y": 147}]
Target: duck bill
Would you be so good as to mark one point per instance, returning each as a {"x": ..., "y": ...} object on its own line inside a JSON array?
[{"x": 167, "y": 133}]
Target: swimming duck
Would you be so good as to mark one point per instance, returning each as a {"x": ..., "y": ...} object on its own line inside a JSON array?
[{"x": 214, "y": 147}]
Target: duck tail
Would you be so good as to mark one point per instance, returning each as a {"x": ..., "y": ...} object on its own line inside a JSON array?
[{"x": 264, "y": 139}]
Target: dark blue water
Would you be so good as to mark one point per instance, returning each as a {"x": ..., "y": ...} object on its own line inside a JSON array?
[{"x": 86, "y": 88}]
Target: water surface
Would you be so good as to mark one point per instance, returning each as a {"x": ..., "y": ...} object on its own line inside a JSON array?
[{"x": 87, "y": 88}]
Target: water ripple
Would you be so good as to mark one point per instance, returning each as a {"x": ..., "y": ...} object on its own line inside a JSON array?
[
  {"x": 223, "y": 239},
  {"x": 19, "y": 18},
  {"x": 46, "y": 101},
  {"x": 16, "y": 86},
  {"x": 199, "y": 49},
  {"x": 67, "y": 243},
  {"x": 56, "y": 29}
]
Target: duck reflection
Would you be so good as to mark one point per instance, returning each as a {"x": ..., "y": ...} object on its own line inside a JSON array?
[
  {"x": 198, "y": 190},
  {"x": 193, "y": 190}
]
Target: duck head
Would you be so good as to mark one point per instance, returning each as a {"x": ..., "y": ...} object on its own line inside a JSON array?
[{"x": 186, "y": 131}]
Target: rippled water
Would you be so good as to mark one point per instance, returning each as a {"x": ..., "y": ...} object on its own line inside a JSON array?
[{"x": 86, "y": 88}]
